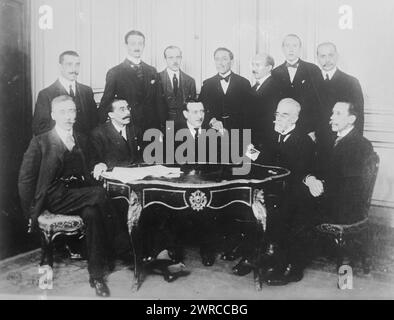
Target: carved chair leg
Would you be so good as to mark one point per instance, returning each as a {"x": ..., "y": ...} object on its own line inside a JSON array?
[
  {"x": 44, "y": 248},
  {"x": 50, "y": 251},
  {"x": 340, "y": 250}
]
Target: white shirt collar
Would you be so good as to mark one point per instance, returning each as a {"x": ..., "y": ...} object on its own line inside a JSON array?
[
  {"x": 117, "y": 127},
  {"x": 171, "y": 73},
  {"x": 133, "y": 60},
  {"x": 330, "y": 73},
  {"x": 67, "y": 83},
  {"x": 226, "y": 74},
  {"x": 63, "y": 134},
  {"x": 261, "y": 81},
  {"x": 294, "y": 62},
  {"x": 291, "y": 128},
  {"x": 344, "y": 132},
  {"x": 191, "y": 128}
]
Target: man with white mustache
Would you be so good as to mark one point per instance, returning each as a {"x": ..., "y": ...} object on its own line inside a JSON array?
[{"x": 66, "y": 84}]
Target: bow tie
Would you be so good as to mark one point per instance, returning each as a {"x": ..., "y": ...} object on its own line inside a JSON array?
[
  {"x": 289, "y": 65},
  {"x": 134, "y": 65},
  {"x": 227, "y": 79}
]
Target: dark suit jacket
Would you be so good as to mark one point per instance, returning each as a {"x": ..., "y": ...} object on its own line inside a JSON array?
[
  {"x": 42, "y": 165},
  {"x": 296, "y": 153},
  {"x": 122, "y": 83},
  {"x": 265, "y": 102},
  {"x": 304, "y": 90},
  {"x": 109, "y": 147},
  {"x": 171, "y": 103},
  {"x": 342, "y": 87},
  {"x": 233, "y": 104},
  {"x": 87, "y": 114},
  {"x": 343, "y": 171}
]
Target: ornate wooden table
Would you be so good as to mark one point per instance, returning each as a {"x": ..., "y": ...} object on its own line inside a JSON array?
[{"x": 199, "y": 186}]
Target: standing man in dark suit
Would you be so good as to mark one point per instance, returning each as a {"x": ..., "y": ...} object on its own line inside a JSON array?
[
  {"x": 118, "y": 141},
  {"x": 287, "y": 230},
  {"x": 335, "y": 86},
  {"x": 55, "y": 176},
  {"x": 297, "y": 81},
  {"x": 134, "y": 81},
  {"x": 226, "y": 96},
  {"x": 266, "y": 95},
  {"x": 176, "y": 87},
  {"x": 87, "y": 114},
  {"x": 339, "y": 179}
]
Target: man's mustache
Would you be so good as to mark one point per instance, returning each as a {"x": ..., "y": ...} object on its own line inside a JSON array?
[
  {"x": 126, "y": 117},
  {"x": 74, "y": 72}
]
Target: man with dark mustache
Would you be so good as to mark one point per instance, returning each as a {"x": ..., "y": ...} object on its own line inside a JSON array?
[
  {"x": 116, "y": 142},
  {"x": 66, "y": 84},
  {"x": 134, "y": 81}
]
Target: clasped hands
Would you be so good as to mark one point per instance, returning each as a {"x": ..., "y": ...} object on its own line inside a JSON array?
[{"x": 316, "y": 187}]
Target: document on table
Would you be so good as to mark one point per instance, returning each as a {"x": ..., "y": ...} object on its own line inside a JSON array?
[{"x": 132, "y": 174}]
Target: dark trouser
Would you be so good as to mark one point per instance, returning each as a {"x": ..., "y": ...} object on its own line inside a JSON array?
[
  {"x": 92, "y": 204},
  {"x": 290, "y": 226},
  {"x": 238, "y": 229}
]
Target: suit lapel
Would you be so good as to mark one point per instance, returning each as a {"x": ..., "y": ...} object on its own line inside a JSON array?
[
  {"x": 60, "y": 89},
  {"x": 298, "y": 77},
  {"x": 284, "y": 73},
  {"x": 57, "y": 144}
]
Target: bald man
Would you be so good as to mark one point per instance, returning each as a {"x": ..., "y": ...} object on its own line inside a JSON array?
[
  {"x": 287, "y": 229},
  {"x": 297, "y": 81},
  {"x": 266, "y": 95},
  {"x": 335, "y": 86}
]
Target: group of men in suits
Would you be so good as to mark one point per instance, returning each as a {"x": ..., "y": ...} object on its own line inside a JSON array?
[{"x": 293, "y": 111}]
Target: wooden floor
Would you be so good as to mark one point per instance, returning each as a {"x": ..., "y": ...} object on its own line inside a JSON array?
[{"x": 19, "y": 278}]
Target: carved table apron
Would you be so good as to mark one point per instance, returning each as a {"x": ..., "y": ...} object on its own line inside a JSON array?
[{"x": 198, "y": 187}]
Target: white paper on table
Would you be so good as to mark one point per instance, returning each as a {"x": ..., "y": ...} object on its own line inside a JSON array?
[{"x": 132, "y": 174}]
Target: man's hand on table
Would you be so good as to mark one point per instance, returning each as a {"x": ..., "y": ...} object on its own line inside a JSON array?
[{"x": 99, "y": 169}]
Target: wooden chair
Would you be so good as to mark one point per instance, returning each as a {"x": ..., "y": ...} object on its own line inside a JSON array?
[
  {"x": 53, "y": 225},
  {"x": 358, "y": 232}
]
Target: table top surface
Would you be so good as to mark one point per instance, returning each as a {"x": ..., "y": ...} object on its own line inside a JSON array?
[{"x": 209, "y": 175}]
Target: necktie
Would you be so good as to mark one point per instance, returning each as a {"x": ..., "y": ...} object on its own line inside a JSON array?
[
  {"x": 121, "y": 134},
  {"x": 327, "y": 77},
  {"x": 72, "y": 94},
  {"x": 256, "y": 86},
  {"x": 70, "y": 143},
  {"x": 227, "y": 79},
  {"x": 289, "y": 65},
  {"x": 175, "y": 85},
  {"x": 138, "y": 70},
  {"x": 280, "y": 138},
  {"x": 337, "y": 141}
]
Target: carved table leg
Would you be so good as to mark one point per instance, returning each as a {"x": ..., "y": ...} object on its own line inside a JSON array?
[
  {"x": 260, "y": 213},
  {"x": 133, "y": 216}
]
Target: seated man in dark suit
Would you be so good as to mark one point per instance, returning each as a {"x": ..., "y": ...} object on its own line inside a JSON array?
[
  {"x": 117, "y": 142},
  {"x": 204, "y": 223},
  {"x": 288, "y": 228},
  {"x": 87, "y": 114},
  {"x": 176, "y": 87},
  {"x": 338, "y": 182},
  {"x": 55, "y": 176},
  {"x": 335, "y": 86}
]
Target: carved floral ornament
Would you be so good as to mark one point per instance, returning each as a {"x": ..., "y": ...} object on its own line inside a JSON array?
[{"x": 198, "y": 200}]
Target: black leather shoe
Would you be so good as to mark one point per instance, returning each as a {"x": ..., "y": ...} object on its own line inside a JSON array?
[
  {"x": 291, "y": 274},
  {"x": 243, "y": 267},
  {"x": 208, "y": 259},
  {"x": 100, "y": 286}
]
